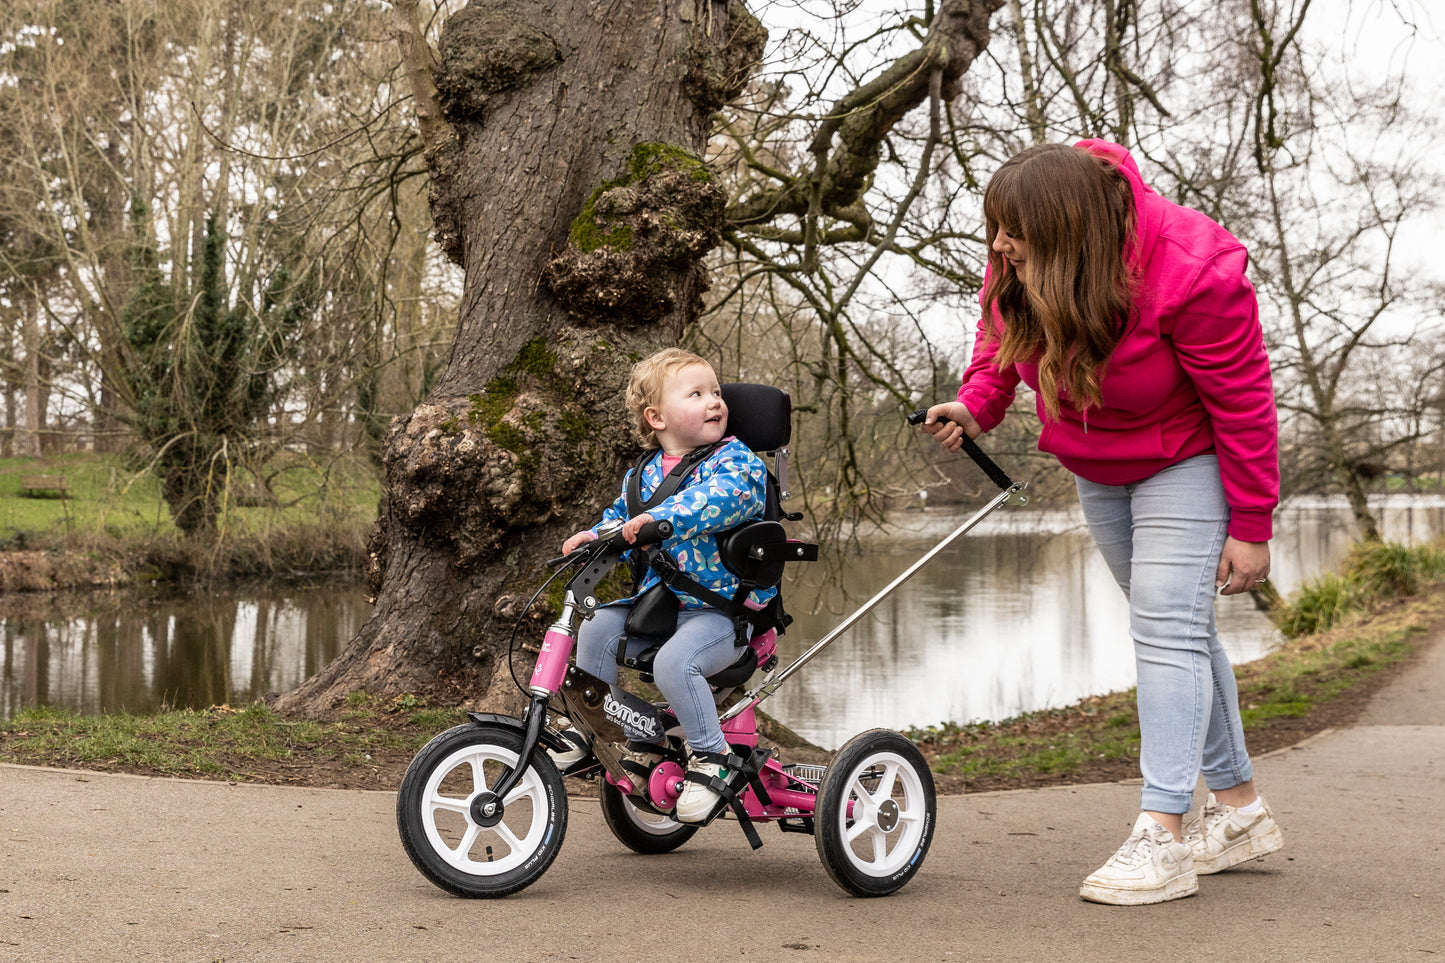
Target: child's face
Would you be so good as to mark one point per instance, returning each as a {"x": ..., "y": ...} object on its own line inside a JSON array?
[{"x": 690, "y": 410}]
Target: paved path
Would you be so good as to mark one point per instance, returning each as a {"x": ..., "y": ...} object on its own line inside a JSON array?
[{"x": 100, "y": 868}]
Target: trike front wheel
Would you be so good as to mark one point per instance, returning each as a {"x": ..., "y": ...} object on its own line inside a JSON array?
[
  {"x": 875, "y": 815},
  {"x": 451, "y": 828}
]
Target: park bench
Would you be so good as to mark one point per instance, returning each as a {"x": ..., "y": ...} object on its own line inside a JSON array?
[{"x": 44, "y": 486}]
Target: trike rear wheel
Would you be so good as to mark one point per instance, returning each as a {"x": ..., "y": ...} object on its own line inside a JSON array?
[
  {"x": 639, "y": 830},
  {"x": 875, "y": 815},
  {"x": 445, "y": 829}
]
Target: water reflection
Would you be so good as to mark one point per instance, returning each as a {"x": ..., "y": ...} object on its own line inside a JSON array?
[
  {"x": 140, "y": 651},
  {"x": 1019, "y": 614}
]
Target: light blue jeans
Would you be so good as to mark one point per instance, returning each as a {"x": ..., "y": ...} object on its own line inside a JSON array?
[
  {"x": 702, "y": 645},
  {"x": 1162, "y": 538}
]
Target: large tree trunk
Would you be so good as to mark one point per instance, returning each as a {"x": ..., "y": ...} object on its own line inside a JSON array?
[
  {"x": 522, "y": 440},
  {"x": 563, "y": 140}
]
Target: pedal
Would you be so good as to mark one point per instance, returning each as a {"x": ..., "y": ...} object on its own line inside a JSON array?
[{"x": 797, "y": 824}]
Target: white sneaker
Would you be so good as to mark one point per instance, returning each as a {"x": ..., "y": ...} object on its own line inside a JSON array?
[
  {"x": 579, "y": 750},
  {"x": 638, "y": 761},
  {"x": 1151, "y": 867},
  {"x": 1221, "y": 836},
  {"x": 698, "y": 801}
]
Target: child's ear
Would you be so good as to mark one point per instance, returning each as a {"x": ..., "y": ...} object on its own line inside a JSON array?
[{"x": 654, "y": 420}]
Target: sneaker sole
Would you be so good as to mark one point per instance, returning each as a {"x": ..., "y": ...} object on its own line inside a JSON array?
[
  {"x": 1176, "y": 888},
  {"x": 1251, "y": 847}
]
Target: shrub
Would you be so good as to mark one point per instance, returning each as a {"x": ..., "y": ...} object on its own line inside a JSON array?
[{"x": 1375, "y": 572}]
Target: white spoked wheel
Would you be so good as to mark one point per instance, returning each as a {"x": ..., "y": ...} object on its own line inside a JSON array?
[
  {"x": 638, "y": 829},
  {"x": 452, "y": 826},
  {"x": 875, "y": 815}
]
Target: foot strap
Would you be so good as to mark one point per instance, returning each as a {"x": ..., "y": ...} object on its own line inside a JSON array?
[{"x": 749, "y": 768}]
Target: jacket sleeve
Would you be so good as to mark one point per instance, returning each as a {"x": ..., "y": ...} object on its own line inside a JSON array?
[
  {"x": 731, "y": 488},
  {"x": 987, "y": 390},
  {"x": 1220, "y": 345}
]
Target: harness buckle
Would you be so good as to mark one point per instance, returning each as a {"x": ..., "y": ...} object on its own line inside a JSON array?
[{"x": 666, "y": 568}]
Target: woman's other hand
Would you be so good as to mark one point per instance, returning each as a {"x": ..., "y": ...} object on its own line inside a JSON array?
[
  {"x": 1242, "y": 566},
  {"x": 949, "y": 433}
]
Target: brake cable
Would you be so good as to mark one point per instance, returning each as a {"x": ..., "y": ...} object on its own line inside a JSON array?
[{"x": 521, "y": 617}]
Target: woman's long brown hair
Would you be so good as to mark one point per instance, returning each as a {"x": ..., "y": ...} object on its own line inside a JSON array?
[{"x": 1076, "y": 214}]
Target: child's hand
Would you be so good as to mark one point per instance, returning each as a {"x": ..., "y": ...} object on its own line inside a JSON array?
[
  {"x": 634, "y": 525},
  {"x": 577, "y": 541}
]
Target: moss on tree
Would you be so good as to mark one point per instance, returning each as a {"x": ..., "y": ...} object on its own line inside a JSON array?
[{"x": 634, "y": 250}]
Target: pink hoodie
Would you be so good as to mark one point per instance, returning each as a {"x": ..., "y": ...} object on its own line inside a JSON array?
[{"x": 1189, "y": 375}]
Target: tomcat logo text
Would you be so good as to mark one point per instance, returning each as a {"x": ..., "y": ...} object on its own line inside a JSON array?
[{"x": 628, "y": 717}]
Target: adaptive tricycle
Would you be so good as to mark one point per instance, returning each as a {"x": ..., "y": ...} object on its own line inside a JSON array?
[{"x": 482, "y": 810}]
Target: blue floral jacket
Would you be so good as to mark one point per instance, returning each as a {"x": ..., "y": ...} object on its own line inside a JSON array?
[{"x": 726, "y": 489}]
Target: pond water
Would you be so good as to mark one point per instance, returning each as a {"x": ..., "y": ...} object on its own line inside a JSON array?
[
  {"x": 141, "y": 651},
  {"x": 1019, "y": 614}
]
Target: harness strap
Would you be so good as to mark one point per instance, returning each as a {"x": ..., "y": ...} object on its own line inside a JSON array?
[
  {"x": 674, "y": 578},
  {"x": 663, "y": 564},
  {"x": 670, "y": 483},
  {"x": 665, "y": 489}
]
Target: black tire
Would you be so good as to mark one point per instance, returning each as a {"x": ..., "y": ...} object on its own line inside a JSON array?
[
  {"x": 882, "y": 844},
  {"x": 440, "y": 831},
  {"x": 639, "y": 830}
]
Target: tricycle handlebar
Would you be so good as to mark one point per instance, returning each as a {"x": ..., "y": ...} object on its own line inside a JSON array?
[{"x": 654, "y": 531}]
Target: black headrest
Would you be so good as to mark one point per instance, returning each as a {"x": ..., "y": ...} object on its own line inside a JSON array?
[{"x": 761, "y": 416}]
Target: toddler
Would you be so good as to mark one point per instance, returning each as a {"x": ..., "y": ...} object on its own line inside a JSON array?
[{"x": 678, "y": 411}]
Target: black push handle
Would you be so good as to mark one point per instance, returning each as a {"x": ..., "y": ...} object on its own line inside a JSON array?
[{"x": 995, "y": 474}]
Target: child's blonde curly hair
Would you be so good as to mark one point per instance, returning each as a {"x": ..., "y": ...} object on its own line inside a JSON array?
[{"x": 644, "y": 389}]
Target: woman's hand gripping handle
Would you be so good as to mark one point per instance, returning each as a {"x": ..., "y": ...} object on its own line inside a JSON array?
[{"x": 954, "y": 427}]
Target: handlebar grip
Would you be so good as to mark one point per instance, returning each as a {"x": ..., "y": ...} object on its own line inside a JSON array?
[
  {"x": 995, "y": 474},
  {"x": 654, "y": 531}
]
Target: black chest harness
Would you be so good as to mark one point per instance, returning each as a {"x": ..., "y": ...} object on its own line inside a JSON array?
[{"x": 754, "y": 552}]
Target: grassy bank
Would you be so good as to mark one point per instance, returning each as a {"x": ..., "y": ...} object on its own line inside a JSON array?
[
  {"x": 298, "y": 514},
  {"x": 367, "y": 746},
  {"x": 1313, "y": 682}
]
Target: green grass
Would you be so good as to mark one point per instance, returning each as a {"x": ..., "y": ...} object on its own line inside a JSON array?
[
  {"x": 1375, "y": 572},
  {"x": 243, "y": 744},
  {"x": 109, "y": 496},
  {"x": 297, "y": 513}
]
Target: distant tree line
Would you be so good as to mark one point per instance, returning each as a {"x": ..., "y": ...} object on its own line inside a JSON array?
[{"x": 215, "y": 236}]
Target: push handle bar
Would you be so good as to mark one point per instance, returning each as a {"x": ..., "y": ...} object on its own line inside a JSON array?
[{"x": 995, "y": 474}]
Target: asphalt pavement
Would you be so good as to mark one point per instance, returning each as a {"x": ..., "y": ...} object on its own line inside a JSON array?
[{"x": 123, "y": 868}]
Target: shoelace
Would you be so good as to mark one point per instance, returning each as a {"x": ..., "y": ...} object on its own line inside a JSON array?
[
  {"x": 1212, "y": 815},
  {"x": 1137, "y": 849}
]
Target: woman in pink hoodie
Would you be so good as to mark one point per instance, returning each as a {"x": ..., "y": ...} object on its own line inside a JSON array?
[{"x": 1131, "y": 319}]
